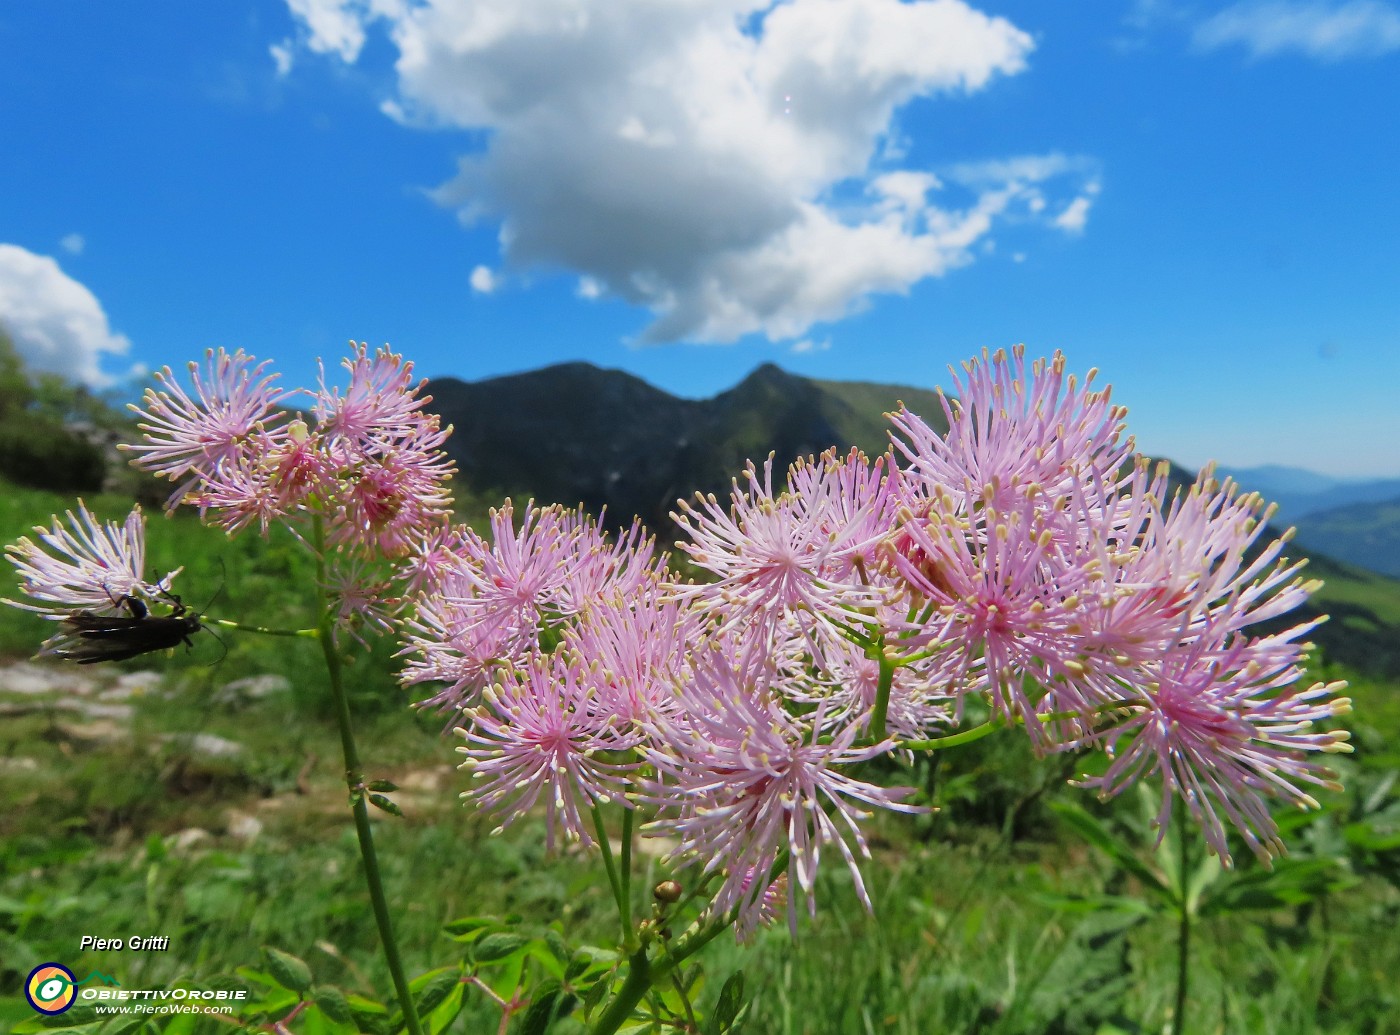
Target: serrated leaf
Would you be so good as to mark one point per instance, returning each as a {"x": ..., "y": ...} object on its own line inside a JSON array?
[
  {"x": 288, "y": 971},
  {"x": 333, "y": 1003},
  {"x": 386, "y": 805},
  {"x": 498, "y": 946}
]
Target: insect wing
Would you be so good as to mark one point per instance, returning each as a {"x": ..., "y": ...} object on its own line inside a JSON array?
[{"x": 88, "y": 638}]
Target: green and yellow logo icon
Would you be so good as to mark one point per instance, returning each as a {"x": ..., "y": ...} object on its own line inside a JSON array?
[{"x": 51, "y": 988}]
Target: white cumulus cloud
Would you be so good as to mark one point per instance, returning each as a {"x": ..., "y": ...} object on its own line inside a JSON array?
[
  {"x": 56, "y": 323},
  {"x": 483, "y": 280},
  {"x": 283, "y": 56},
  {"x": 1322, "y": 30},
  {"x": 727, "y": 164},
  {"x": 1076, "y": 216}
]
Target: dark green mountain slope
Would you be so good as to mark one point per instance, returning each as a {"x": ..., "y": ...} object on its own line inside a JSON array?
[{"x": 577, "y": 434}]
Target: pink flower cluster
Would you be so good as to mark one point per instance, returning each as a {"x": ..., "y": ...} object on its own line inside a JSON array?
[
  {"x": 1024, "y": 557},
  {"x": 86, "y": 566},
  {"x": 370, "y": 462},
  {"x": 367, "y": 463}
]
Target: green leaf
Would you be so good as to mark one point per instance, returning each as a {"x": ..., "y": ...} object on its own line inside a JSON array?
[
  {"x": 594, "y": 996},
  {"x": 181, "y": 1024},
  {"x": 731, "y": 1001},
  {"x": 557, "y": 945},
  {"x": 1205, "y": 875},
  {"x": 469, "y": 928},
  {"x": 539, "y": 950},
  {"x": 442, "y": 1015},
  {"x": 1087, "y": 905},
  {"x": 439, "y": 984},
  {"x": 498, "y": 946},
  {"x": 382, "y": 785},
  {"x": 123, "y": 1025},
  {"x": 1118, "y": 850},
  {"x": 287, "y": 970},
  {"x": 386, "y": 804},
  {"x": 1292, "y": 882},
  {"x": 549, "y": 1004},
  {"x": 505, "y": 982},
  {"x": 332, "y": 1002},
  {"x": 360, "y": 1005}
]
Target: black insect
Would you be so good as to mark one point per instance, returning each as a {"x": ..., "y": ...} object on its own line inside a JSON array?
[{"x": 88, "y": 638}]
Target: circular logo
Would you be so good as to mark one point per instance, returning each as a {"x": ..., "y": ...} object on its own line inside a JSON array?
[{"x": 50, "y": 988}]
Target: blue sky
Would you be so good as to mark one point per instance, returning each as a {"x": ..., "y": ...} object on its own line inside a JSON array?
[{"x": 1197, "y": 199}]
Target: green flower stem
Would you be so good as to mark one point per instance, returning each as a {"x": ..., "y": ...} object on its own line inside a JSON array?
[
  {"x": 610, "y": 864},
  {"x": 354, "y": 779},
  {"x": 224, "y": 623},
  {"x": 955, "y": 739},
  {"x": 997, "y": 722},
  {"x": 881, "y": 709},
  {"x": 644, "y": 974},
  {"x": 1183, "y": 936},
  {"x": 628, "y": 815},
  {"x": 637, "y": 984}
]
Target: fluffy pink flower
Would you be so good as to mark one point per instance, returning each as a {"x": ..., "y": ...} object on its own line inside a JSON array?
[
  {"x": 85, "y": 565},
  {"x": 1225, "y": 726},
  {"x": 270, "y": 480},
  {"x": 542, "y": 732},
  {"x": 193, "y": 434},
  {"x": 363, "y": 596},
  {"x": 497, "y": 604},
  {"x": 381, "y": 402},
  {"x": 766, "y": 909},
  {"x": 1008, "y": 432},
  {"x": 799, "y": 550},
  {"x": 433, "y": 556},
  {"x": 1005, "y": 605},
  {"x": 741, "y": 780},
  {"x": 638, "y": 645}
]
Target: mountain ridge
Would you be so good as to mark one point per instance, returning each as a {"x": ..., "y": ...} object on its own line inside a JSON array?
[{"x": 575, "y": 433}]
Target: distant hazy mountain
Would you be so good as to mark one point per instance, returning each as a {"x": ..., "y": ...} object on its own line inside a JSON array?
[
  {"x": 1367, "y": 534},
  {"x": 578, "y": 434},
  {"x": 1299, "y": 493}
]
